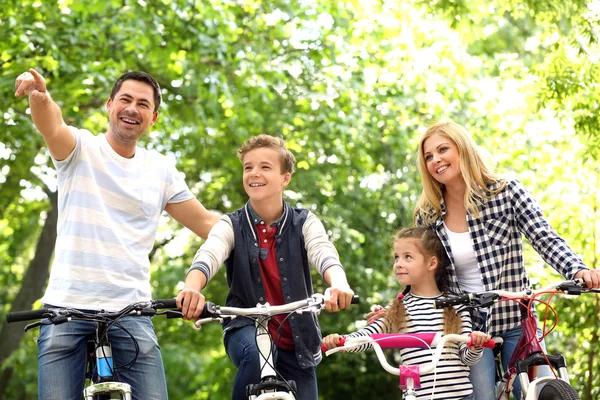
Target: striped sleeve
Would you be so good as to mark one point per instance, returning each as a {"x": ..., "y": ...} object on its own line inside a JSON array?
[
  {"x": 467, "y": 356},
  {"x": 378, "y": 326}
]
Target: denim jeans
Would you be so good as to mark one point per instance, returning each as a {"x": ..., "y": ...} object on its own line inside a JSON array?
[
  {"x": 63, "y": 352},
  {"x": 240, "y": 345},
  {"x": 483, "y": 374}
]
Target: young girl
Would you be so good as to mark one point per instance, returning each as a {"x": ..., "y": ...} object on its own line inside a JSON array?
[{"x": 420, "y": 264}]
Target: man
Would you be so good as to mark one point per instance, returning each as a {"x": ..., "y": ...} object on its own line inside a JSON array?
[{"x": 111, "y": 194}]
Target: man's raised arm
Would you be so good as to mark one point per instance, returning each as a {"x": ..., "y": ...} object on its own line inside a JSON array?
[{"x": 46, "y": 114}]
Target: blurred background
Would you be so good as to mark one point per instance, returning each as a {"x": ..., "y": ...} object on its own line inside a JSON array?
[{"x": 349, "y": 85}]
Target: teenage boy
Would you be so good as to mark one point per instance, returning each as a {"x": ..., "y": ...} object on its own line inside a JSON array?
[{"x": 267, "y": 247}]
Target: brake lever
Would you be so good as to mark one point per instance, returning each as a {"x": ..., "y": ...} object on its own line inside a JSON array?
[
  {"x": 574, "y": 287},
  {"x": 484, "y": 299},
  {"x": 172, "y": 314},
  {"x": 34, "y": 325}
]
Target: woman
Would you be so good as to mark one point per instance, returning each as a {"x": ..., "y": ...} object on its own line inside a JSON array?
[{"x": 479, "y": 218}]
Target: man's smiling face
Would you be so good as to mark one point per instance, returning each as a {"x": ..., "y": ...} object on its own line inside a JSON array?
[{"x": 130, "y": 113}]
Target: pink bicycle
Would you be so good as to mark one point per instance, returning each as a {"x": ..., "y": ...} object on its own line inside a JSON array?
[{"x": 409, "y": 374}]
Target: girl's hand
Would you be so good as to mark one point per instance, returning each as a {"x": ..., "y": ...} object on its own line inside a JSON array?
[
  {"x": 377, "y": 312},
  {"x": 331, "y": 341},
  {"x": 478, "y": 339}
]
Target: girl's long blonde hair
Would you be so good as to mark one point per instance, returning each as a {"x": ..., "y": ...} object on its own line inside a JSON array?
[
  {"x": 430, "y": 245},
  {"x": 475, "y": 173}
]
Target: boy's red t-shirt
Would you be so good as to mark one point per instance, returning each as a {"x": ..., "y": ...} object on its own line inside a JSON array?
[{"x": 272, "y": 284}]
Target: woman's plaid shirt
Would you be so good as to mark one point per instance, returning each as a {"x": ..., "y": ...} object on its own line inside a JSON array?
[{"x": 498, "y": 243}]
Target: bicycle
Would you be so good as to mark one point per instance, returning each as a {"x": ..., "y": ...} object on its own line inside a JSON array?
[
  {"x": 409, "y": 374},
  {"x": 272, "y": 385},
  {"x": 101, "y": 374},
  {"x": 528, "y": 352}
]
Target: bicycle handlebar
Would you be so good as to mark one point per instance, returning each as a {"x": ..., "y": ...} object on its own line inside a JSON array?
[
  {"x": 431, "y": 339},
  {"x": 63, "y": 314},
  {"x": 484, "y": 299},
  {"x": 401, "y": 341},
  {"x": 213, "y": 312}
]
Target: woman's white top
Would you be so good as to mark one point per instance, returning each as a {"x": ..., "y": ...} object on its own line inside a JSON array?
[{"x": 465, "y": 261}]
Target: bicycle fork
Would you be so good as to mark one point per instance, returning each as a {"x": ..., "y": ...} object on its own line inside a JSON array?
[{"x": 105, "y": 371}]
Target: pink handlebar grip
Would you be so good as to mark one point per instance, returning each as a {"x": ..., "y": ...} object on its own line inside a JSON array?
[
  {"x": 342, "y": 342},
  {"x": 490, "y": 344}
]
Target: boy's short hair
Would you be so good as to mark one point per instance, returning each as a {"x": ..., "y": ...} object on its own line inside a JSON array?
[{"x": 287, "y": 158}]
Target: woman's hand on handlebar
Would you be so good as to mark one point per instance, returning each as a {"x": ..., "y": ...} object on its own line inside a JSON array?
[
  {"x": 332, "y": 341},
  {"x": 591, "y": 277},
  {"x": 478, "y": 339},
  {"x": 191, "y": 303}
]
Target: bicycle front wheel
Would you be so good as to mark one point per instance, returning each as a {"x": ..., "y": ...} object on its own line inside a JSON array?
[{"x": 558, "y": 390}]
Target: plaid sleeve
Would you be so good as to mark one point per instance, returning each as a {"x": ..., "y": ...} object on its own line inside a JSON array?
[{"x": 548, "y": 244}]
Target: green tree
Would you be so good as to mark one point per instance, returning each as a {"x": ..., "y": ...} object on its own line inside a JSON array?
[{"x": 349, "y": 85}]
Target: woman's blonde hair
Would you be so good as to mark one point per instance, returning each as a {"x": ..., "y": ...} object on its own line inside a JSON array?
[
  {"x": 476, "y": 175},
  {"x": 429, "y": 245}
]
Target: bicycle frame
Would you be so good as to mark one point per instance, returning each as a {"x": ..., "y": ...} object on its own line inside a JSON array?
[
  {"x": 409, "y": 374},
  {"x": 528, "y": 353},
  {"x": 267, "y": 366},
  {"x": 103, "y": 369}
]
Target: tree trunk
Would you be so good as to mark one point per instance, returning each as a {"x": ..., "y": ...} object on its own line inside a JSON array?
[{"x": 34, "y": 282}]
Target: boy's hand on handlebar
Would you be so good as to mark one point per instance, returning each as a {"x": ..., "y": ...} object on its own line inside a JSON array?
[
  {"x": 591, "y": 277},
  {"x": 338, "y": 298},
  {"x": 191, "y": 302},
  {"x": 478, "y": 339},
  {"x": 331, "y": 341}
]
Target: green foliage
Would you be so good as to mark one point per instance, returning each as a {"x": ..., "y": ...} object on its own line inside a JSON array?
[{"x": 349, "y": 85}]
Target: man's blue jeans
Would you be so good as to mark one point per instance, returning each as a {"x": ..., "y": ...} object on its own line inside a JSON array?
[
  {"x": 240, "y": 345},
  {"x": 483, "y": 374},
  {"x": 63, "y": 352}
]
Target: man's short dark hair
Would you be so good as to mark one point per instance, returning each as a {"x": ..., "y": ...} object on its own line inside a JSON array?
[{"x": 140, "y": 77}]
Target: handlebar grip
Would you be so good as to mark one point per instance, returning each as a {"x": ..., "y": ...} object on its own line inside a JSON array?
[
  {"x": 355, "y": 299},
  {"x": 444, "y": 302},
  {"x": 490, "y": 344},
  {"x": 165, "y": 303},
  {"x": 18, "y": 316},
  {"x": 342, "y": 342}
]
